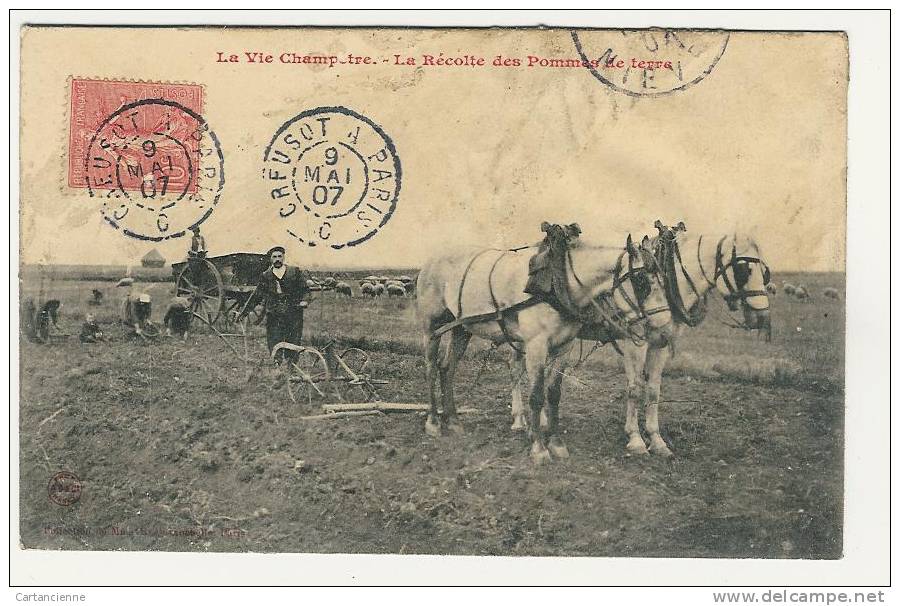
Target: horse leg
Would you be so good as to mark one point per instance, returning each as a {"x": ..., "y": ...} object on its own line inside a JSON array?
[
  {"x": 634, "y": 373},
  {"x": 459, "y": 340},
  {"x": 554, "y": 390},
  {"x": 535, "y": 368},
  {"x": 656, "y": 361},
  {"x": 518, "y": 404},
  {"x": 432, "y": 350}
]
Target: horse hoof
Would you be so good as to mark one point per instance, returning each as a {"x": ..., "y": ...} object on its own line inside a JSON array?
[
  {"x": 432, "y": 429},
  {"x": 636, "y": 446},
  {"x": 540, "y": 455},
  {"x": 558, "y": 449},
  {"x": 455, "y": 429},
  {"x": 659, "y": 447},
  {"x": 519, "y": 423}
]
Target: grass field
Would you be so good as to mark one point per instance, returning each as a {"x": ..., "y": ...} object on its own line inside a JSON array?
[{"x": 178, "y": 451}]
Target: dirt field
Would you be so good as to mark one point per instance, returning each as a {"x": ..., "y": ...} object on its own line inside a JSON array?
[{"x": 177, "y": 451}]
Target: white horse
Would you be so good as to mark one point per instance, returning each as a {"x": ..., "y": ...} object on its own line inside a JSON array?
[
  {"x": 481, "y": 292},
  {"x": 693, "y": 265}
]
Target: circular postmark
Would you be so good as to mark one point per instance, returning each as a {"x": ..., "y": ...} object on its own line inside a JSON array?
[
  {"x": 158, "y": 168},
  {"x": 333, "y": 176},
  {"x": 64, "y": 488},
  {"x": 650, "y": 62}
]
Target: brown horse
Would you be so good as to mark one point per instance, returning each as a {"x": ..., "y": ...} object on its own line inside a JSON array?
[{"x": 480, "y": 292}]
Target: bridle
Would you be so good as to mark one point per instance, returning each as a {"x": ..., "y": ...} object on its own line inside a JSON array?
[
  {"x": 604, "y": 307},
  {"x": 638, "y": 276},
  {"x": 666, "y": 254},
  {"x": 739, "y": 267}
]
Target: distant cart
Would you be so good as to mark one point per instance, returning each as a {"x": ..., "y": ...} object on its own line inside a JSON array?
[{"x": 219, "y": 287}]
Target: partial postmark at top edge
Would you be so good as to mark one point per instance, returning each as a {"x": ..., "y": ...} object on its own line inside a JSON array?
[{"x": 650, "y": 62}]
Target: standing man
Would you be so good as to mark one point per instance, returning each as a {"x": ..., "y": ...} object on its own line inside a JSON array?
[{"x": 284, "y": 288}]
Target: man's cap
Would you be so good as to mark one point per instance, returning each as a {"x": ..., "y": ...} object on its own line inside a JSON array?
[
  {"x": 144, "y": 298},
  {"x": 275, "y": 249}
]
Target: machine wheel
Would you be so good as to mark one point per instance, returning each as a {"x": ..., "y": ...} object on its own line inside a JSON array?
[
  {"x": 358, "y": 386},
  {"x": 307, "y": 374},
  {"x": 201, "y": 284}
]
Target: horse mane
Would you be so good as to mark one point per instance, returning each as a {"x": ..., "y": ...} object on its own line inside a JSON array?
[{"x": 745, "y": 244}]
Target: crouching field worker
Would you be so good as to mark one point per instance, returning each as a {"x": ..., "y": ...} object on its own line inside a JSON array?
[
  {"x": 37, "y": 319},
  {"x": 284, "y": 288},
  {"x": 136, "y": 312},
  {"x": 178, "y": 317},
  {"x": 90, "y": 330}
]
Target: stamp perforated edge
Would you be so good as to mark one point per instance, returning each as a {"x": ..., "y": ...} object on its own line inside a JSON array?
[{"x": 65, "y": 136}]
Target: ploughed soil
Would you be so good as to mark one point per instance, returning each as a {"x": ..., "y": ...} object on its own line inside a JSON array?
[{"x": 176, "y": 450}]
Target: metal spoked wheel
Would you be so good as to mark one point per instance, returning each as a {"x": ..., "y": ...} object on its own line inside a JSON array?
[
  {"x": 357, "y": 384},
  {"x": 306, "y": 372},
  {"x": 201, "y": 284}
]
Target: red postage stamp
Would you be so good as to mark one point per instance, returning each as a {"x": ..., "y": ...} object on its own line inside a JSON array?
[{"x": 94, "y": 102}]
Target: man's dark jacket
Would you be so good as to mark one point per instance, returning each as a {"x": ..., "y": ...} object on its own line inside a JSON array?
[
  {"x": 284, "y": 316},
  {"x": 287, "y": 301}
]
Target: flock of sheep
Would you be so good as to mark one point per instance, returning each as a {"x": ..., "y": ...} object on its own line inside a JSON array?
[
  {"x": 802, "y": 293},
  {"x": 370, "y": 286},
  {"x": 377, "y": 286}
]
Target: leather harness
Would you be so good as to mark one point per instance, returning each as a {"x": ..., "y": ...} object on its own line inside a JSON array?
[
  {"x": 668, "y": 253},
  {"x": 602, "y": 310}
]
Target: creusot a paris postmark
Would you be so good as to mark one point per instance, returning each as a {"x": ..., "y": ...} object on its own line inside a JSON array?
[{"x": 333, "y": 177}]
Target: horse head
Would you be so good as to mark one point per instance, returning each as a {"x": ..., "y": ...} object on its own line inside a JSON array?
[
  {"x": 741, "y": 277},
  {"x": 644, "y": 280}
]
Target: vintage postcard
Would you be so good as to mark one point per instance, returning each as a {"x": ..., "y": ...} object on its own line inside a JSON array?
[{"x": 491, "y": 292}]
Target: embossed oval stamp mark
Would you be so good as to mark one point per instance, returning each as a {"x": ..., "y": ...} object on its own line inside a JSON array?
[
  {"x": 650, "y": 62},
  {"x": 158, "y": 168},
  {"x": 333, "y": 177},
  {"x": 64, "y": 488}
]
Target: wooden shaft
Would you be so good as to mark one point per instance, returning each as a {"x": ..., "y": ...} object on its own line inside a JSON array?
[
  {"x": 339, "y": 415},
  {"x": 387, "y": 407}
]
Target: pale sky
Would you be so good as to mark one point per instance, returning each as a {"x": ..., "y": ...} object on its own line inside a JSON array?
[{"x": 758, "y": 146}]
